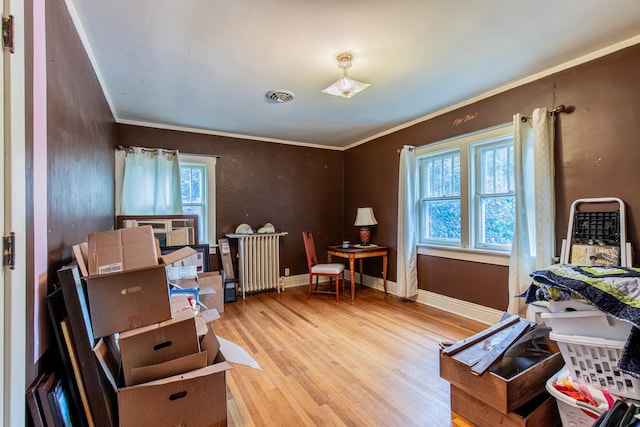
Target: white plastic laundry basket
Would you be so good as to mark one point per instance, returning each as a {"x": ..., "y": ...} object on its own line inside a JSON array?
[
  {"x": 594, "y": 323},
  {"x": 594, "y": 362},
  {"x": 572, "y": 414}
]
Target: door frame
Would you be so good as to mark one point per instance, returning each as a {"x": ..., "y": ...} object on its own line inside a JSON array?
[{"x": 14, "y": 295}]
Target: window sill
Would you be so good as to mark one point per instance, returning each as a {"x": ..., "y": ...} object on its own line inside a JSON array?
[{"x": 473, "y": 255}]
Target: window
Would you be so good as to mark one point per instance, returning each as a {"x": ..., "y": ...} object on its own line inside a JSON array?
[
  {"x": 466, "y": 193},
  {"x": 440, "y": 201},
  {"x": 197, "y": 173},
  {"x": 494, "y": 194},
  {"x": 193, "y": 184},
  {"x": 197, "y": 179}
]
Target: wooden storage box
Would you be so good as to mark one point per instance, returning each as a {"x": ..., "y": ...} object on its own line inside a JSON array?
[
  {"x": 503, "y": 395},
  {"x": 541, "y": 411}
]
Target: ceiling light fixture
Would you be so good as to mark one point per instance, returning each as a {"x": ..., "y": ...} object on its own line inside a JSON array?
[{"x": 344, "y": 86}]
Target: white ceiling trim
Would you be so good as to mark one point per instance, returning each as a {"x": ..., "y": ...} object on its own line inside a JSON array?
[
  {"x": 569, "y": 64},
  {"x": 230, "y": 135},
  {"x": 565, "y": 66}
]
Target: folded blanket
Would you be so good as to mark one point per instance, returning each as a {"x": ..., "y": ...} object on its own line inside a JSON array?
[{"x": 614, "y": 290}]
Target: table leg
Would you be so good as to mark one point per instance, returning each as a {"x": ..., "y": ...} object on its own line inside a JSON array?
[
  {"x": 384, "y": 272},
  {"x": 353, "y": 278},
  {"x": 360, "y": 273}
]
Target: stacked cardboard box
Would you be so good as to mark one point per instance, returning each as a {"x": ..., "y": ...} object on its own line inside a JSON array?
[{"x": 156, "y": 351}]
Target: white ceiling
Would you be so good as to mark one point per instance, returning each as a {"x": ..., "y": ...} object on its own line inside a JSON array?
[{"x": 207, "y": 64}]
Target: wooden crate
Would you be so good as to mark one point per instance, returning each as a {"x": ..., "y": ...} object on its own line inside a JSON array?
[
  {"x": 541, "y": 411},
  {"x": 503, "y": 395}
]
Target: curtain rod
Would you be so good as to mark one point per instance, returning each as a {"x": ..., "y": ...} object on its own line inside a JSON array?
[
  {"x": 155, "y": 151},
  {"x": 147, "y": 150},
  {"x": 559, "y": 109},
  {"x": 411, "y": 148}
]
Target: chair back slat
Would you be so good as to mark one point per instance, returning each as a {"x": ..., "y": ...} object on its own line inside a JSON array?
[{"x": 309, "y": 248}]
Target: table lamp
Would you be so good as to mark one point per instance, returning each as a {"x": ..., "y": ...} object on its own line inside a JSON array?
[{"x": 365, "y": 218}]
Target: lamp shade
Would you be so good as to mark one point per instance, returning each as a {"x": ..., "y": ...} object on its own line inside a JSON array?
[
  {"x": 346, "y": 87},
  {"x": 365, "y": 217}
]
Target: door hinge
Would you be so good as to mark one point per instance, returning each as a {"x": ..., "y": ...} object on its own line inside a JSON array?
[
  {"x": 7, "y": 32},
  {"x": 9, "y": 250}
]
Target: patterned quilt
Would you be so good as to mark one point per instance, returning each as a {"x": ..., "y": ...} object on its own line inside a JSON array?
[{"x": 614, "y": 290}]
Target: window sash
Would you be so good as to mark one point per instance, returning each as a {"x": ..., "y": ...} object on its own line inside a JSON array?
[
  {"x": 494, "y": 187},
  {"x": 195, "y": 204}
]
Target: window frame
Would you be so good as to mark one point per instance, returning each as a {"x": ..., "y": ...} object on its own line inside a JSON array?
[
  {"x": 209, "y": 161},
  {"x": 204, "y": 204},
  {"x": 467, "y": 145},
  {"x": 476, "y": 195}
]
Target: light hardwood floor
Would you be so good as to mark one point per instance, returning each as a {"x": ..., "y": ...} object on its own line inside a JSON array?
[{"x": 372, "y": 362}]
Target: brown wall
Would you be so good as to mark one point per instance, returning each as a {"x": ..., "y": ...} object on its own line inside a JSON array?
[
  {"x": 597, "y": 155},
  {"x": 294, "y": 188},
  {"x": 80, "y": 138}
]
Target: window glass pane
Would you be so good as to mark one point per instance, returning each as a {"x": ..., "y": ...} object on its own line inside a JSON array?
[
  {"x": 185, "y": 184},
  {"x": 193, "y": 210},
  {"x": 496, "y": 220},
  {"x": 191, "y": 182},
  {"x": 441, "y": 176},
  {"x": 193, "y": 178},
  {"x": 496, "y": 169},
  {"x": 486, "y": 170},
  {"x": 442, "y": 219},
  {"x": 196, "y": 185}
]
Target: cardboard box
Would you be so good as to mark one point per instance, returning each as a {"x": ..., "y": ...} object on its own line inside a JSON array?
[
  {"x": 120, "y": 250},
  {"x": 197, "y": 397},
  {"x": 128, "y": 299},
  {"x": 504, "y": 395},
  {"x": 131, "y": 299},
  {"x": 177, "y": 255},
  {"x": 211, "y": 290},
  {"x": 541, "y": 410},
  {"x": 161, "y": 343}
]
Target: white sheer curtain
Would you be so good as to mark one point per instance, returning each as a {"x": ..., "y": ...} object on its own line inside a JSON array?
[
  {"x": 151, "y": 182},
  {"x": 533, "y": 241},
  {"x": 407, "y": 268}
]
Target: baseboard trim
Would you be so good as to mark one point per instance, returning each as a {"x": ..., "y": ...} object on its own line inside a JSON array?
[
  {"x": 477, "y": 312},
  {"x": 469, "y": 310}
]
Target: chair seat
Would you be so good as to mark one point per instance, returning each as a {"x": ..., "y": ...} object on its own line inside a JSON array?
[{"x": 327, "y": 268}]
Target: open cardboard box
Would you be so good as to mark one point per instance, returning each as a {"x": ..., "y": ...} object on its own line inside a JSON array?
[
  {"x": 121, "y": 249},
  {"x": 160, "y": 343},
  {"x": 194, "y": 397},
  {"x": 131, "y": 298}
]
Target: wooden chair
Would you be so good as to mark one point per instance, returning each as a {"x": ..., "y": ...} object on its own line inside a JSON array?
[{"x": 333, "y": 271}]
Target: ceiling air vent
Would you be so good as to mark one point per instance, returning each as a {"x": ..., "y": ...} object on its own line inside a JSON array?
[{"x": 279, "y": 96}]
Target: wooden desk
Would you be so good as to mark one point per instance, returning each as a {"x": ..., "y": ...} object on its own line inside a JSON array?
[{"x": 353, "y": 253}]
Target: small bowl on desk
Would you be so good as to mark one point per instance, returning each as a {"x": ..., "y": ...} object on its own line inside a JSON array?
[{"x": 345, "y": 244}]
